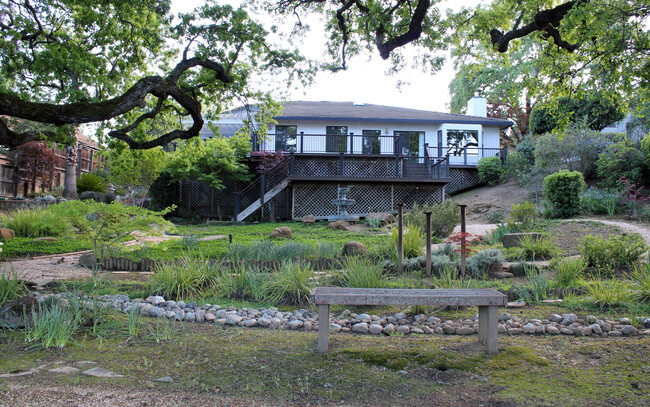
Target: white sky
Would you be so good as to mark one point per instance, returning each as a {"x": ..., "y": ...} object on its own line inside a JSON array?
[{"x": 365, "y": 80}]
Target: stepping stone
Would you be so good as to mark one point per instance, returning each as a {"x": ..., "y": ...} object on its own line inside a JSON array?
[
  {"x": 64, "y": 369},
  {"x": 165, "y": 379},
  {"x": 85, "y": 362},
  {"x": 502, "y": 275},
  {"x": 99, "y": 372},
  {"x": 18, "y": 374},
  {"x": 516, "y": 304}
]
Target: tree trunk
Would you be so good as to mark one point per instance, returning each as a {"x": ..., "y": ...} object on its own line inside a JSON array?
[{"x": 70, "y": 180}]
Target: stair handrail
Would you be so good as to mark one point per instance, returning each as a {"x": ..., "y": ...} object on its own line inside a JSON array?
[{"x": 263, "y": 183}]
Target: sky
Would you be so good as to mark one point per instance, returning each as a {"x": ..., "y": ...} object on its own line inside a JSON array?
[{"x": 366, "y": 81}]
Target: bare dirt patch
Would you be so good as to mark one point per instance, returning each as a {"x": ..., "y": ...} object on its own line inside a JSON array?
[{"x": 485, "y": 200}]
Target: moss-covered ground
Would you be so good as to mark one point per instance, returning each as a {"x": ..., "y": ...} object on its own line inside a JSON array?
[{"x": 283, "y": 368}]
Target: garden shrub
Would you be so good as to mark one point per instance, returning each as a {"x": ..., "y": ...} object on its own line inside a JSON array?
[
  {"x": 599, "y": 201},
  {"x": 442, "y": 262},
  {"x": 610, "y": 255},
  {"x": 562, "y": 190},
  {"x": 622, "y": 159},
  {"x": 609, "y": 293},
  {"x": 163, "y": 192},
  {"x": 496, "y": 217},
  {"x": 490, "y": 170},
  {"x": 91, "y": 182},
  {"x": 479, "y": 264},
  {"x": 641, "y": 279},
  {"x": 526, "y": 148},
  {"x": 444, "y": 217},
  {"x": 524, "y": 214},
  {"x": 535, "y": 291}
]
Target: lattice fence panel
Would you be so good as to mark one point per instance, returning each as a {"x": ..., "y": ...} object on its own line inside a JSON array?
[
  {"x": 371, "y": 168},
  {"x": 198, "y": 198},
  {"x": 422, "y": 195},
  {"x": 316, "y": 198},
  {"x": 462, "y": 178},
  {"x": 321, "y": 166}
]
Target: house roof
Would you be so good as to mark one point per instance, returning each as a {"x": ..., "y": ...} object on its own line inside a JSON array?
[
  {"x": 305, "y": 110},
  {"x": 226, "y": 130}
]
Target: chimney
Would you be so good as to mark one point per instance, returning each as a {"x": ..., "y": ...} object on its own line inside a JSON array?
[{"x": 477, "y": 106}]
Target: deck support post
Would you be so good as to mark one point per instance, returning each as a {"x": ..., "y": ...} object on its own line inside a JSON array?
[
  {"x": 427, "y": 231},
  {"x": 302, "y": 141},
  {"x": 400, "y": 238},
  {"x": 488, "y": 328},
  {"x": 341, "y": 164},
  {"x": 323, "y": 326}
]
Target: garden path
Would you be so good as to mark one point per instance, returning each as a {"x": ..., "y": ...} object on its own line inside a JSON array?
[{"x": 628, "y": 227}]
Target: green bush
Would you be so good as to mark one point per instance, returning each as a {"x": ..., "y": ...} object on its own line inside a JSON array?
[
  {"x": 496, "y": 217},
  {"x": 163, "y": 192},
  {"x": 535, "y": 291},
  {"x": 444, "y": 217},
  {"x": 413, "y": 241},
  {"x": 562, "y": 190},
  {"x": 490, "y": 170},
  {"x": 622, "y": 159},
  {"x": 55, "y": 324},
  {"x": 441, "y": 262},
  {"x": 524, "y": 215},
  {"x": 479, "y": 264},
  {"x": 609, "y": 255},
  {"x": 609, "y": 293},
  {"x": 35, "y": 222},
  {"x": 91, "y": 182}
]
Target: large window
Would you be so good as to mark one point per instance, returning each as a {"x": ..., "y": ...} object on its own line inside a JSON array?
[
  {"x": 371, "y": 142},
  {"x": 285, "y": 138},
  {"x": 457, "y": 140},
  {"x": 336, "y": 139},
  {"x": 412, "y": 142}
]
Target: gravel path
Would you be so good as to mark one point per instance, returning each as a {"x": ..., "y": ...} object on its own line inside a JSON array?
[{"x": 638, "y": 228}]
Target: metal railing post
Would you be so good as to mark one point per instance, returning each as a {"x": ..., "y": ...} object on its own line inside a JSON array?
[
  {"x": 465, "y": 155},
  {"x": 427, "y": 164},
  {"x": 351, "y": 142},
  {"x": 447, "y": 165},
  {"x": 302, "y": 141}
]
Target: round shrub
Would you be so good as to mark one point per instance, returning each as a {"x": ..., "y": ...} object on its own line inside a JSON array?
[
  {"x": 622, "y": 159},
  {"x": 91, "y": 182},
  {"x": 490, "y": 170},
  {"x": 562, "y": 190}
]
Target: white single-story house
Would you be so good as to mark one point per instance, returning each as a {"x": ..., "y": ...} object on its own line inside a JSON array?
[{"x": 386, "y": 155}]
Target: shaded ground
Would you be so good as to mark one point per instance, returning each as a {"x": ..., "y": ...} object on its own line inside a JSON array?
[{"x": 485, "y": 200}]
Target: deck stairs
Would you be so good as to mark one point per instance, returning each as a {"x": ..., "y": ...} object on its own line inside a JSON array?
[
  {"x": 259, "y": 202},
  {"x": 263, "y": 189}
]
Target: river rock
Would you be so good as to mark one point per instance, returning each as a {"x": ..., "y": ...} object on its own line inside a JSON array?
[
  {"x": 375, "y": 329},
  {"x": 339, "y": 224},
  {"x": 361, "y": 327}
]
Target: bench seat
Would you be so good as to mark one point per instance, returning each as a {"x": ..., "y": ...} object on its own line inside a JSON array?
[{"x": 486, "y": 299}]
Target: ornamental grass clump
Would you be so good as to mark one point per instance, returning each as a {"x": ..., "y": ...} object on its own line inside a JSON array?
[
  {"x": 55, "y": 323},
  {"x": 12, "y": 287},
  {"x": 609, "y": 293},
  {"x": 536, "y": 289},
  {"x": 290, "y": 285},
  {"x": 541, "y": 248},
  {"x": 362, "y": 273},
  {"x": 188, "y": 277},
  {"x": 241, "y": 283},
  {"x": 641, "y": 280},
  {"x": 35, "y": 223},
  {"x": 569, "y": 272}
]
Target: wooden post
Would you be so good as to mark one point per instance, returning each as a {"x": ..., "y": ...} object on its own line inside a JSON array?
[
  {"x": 341, "y": 164},
  {"x": 463, "y": 242},
  {"x": 323, "y": 326},
  {"x": 427, "y": 230},
  {"x": 488, "y": 328},
  {"x": 400, "y": 238}
]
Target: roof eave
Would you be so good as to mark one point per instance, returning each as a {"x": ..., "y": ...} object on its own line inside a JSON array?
[{"x": 495, "y": 122}]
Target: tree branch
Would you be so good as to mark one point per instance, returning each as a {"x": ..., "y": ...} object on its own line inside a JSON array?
[
  {"x": 546, "y": 21},
  {"x": 413, "y": 33}
]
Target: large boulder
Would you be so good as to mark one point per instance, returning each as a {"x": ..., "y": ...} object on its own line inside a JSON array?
[
  {"x": 88, "y": 260},
  {"x": 354, "y": 248},
  {"x": 18, "y": 313},
  {"x": 514, "y": 239},
  {"x": 282, "y": 232},
  {"x": 309, "y": 219},
  {"x": 339, "y": 224},
  {"x": 385, "y": 218},
  {"x": 7, "y": 234}
]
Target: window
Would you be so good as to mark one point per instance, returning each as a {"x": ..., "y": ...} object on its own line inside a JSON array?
[
  {"x": 336, "y": 139},
  {"x": 371, "y": 142},
  {"x": 457, "y": 140},
  {"x": 285, "y": 138},
  {"x": 412, "y": 142}
]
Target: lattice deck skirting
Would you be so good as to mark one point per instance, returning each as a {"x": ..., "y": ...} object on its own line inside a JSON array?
[
  {"x": 315, "y": 198},
  {"x": 462, "y": 178}
]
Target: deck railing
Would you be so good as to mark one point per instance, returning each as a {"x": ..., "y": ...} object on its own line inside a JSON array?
[{"x": 469, "y": 155}]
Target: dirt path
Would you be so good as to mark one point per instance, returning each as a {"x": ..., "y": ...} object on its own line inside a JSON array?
[
  {"x": 44, "y": 270},
  {"x": 638, "y": 228}
]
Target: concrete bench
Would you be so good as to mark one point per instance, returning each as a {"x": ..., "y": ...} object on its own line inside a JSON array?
[{"x": 486, "y": 299}]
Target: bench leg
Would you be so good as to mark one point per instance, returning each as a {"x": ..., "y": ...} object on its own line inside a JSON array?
[
  {"x": 323, "y": 326},
  {"x": 487, "y": 328}
]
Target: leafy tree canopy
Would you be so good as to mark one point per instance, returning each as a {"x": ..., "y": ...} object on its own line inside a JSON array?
[{"x": 67, "y": 62}]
